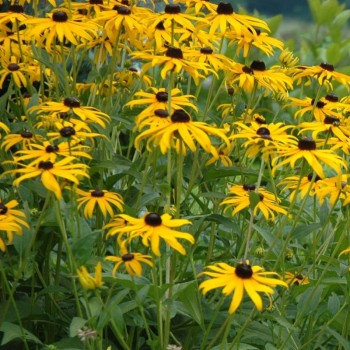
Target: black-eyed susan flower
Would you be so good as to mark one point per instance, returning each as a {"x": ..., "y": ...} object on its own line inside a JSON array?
[
  {"x": 102, "y": 199},
  {"x": 296, "y": 279},
  {"x": 151, "y": 228},
  {"x": 324, "y": 74},
  {"x": 49, "y": 173},
  {"x": 296, "y": 185},
  {"x": 49, "y": 152},
  {"x": 24, "y": 138},
  {"x": 306, "y": 149},
  {"x": 197, "y": 6},
  {"x": 15, "y": 15},
  {"x": 90, "y": 282},
  {"x": 73, "y": 107},
  {"x": 160, "y": 117},
  {"x": 226, "y": 19},
  {"x": 132, "y": 261},
  {"x": 240, "y": 197},
  {"x": 60, "y": 26},
  {"x": 172, "y": 60},
  {"x": 287, "y": 59},
  {"x": 7, "y": 211},
  {"x": 9, "y": 227},
  {"x": 183, "y": 129},
  {"x": 222, "y": 155},
  {"x": 239, "y": 280}
]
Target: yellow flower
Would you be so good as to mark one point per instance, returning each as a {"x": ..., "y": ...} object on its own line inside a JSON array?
[
  {"x": 221, "y": 154},
  {"x": 238, "y": 280},
  {"x": 296, "y": 279},
  {"x": 181, "y": 129},
  {"x": 25, "y": 138},
  {"x": 151, "y": 228},
  {"x": 60, "y": 26},
  {"x": 240, "y": 198},
  {"x": 9, "y": 226},
  {"x": 7, "y": 211},
  {"x": 306, "y": 149},
  {"x": 347, "y": 250},
  {"x": 132, "y": 261},
  {"x": 101, "y": 198},
  {"x": 87, "y": 281},
  {"x": 49, "y": 172}
]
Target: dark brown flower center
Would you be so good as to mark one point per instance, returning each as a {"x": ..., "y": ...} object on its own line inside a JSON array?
[
  {"x": 51, "y": 149},
  {"x": 162, "y": 96},
  {"x": 261, "y": 197},
  {"x": 60, "y": 16},
  {"x": 3, "y": 209},
  {"x": 224, "y": 8},
  {"x": 96, "y": 2},
  {"x": 122, "y": 10},
  {"x": 128, "y": 257},
  {"x": 206, "y": 50},
  {"x": 311, "y": 175},
  {"x": 249, "y": 187},
  {"x": 319, "y": 104},
  {"x": 26, "y": 134},
  {"x": 306, "y": 144},
  {"x": 180, "y": 116},
  {"x": 258, "y": 65},
  {"x": 97, "y": 193},
  {"x": 160, "y": 26},
  {"x": 244, "y": 271},
  {"x": 332, "y": 97},
  {"x": 153, "y": 219},
  {"x": 174, "y": 52},
  {"x": 264, "y": 133},
  {"x": 327, "y": 66},
  {"x": 230, "y": 91},
  {"x": 247, "y": 70},
  {"x": 45, "y": 165},
  {"x": 71, "y": 102},
  {"x": 162, "y": 113},
  {"x": 172, "y": 9},
  {"x": 299, "y": 277},
  {"x": 260, "y": 120},
  {"x": 67, "y": 131},
  {"x": 16, "y": 8},
  {"x": 330, "y": 119},
  {"x": 13, "y": 67}
]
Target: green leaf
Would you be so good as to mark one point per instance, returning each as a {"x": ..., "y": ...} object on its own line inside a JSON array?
[
  {"x": 333, "y": 305},
  {"x": 218, "y": 173},
  {"x": 76, "y": 324},
  {"x": 274, "y": 23},
  {"x": 341, "y": 340},
  {"x": 83, "y": 247},
  {"x": 254, "y": 199},
  {"x": 333, "y": 53},
  {"x": 12, "y": 331}
]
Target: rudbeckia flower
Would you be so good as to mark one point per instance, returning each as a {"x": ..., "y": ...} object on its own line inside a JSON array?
[
  {"x": 226, "y": 19},
  {"x": 87, "y": 281},
  {"x": 14, "y": 15},
  {"x": 60, "y": 26},
  {"x": 25, "y": 139},
  {"x": 324, "y": 74},
  {"x": 102, "y": 199},
  {"x": 241, "y": 279},
  {"x": 9, "y": 226},
  {"x": 50, "y": 172},
  {"x": 131, "y": 261},
  {"x": 198, "y": 5},
  {"x": 151, "y": 228},
  {"x": 72, "y": 106},
  {"x": 306, "y": 149},
  {"x": 183, "y": 129},
  {"x": 240, "y": 198},
  {"x": 296, "y": 279},
  {"x": 7, "y": 211},
  {"x": 221, "y": 155}
]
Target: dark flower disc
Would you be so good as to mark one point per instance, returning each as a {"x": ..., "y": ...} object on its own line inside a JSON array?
[
  {"x": 3, "y": 209},
  {"x": 180, "y": 116},
  {"x": 153, "y": 219},
  {"x": 71, "y": 102},
  {"x": 319, "y": 104},
  {"x": 258, "y": 65},
  {"x": 122, "y": 10},
  {"x": 67, "y": 131},
  {"x": 244, "y": 271},
  {"x": 13, "y": 67},
  {"x": 16, "y": 8},
  {"x": 332, "y": 97},
  {"x": 331, "y": 119},
  {"x": 26, "y": 134},
  {"x": 327, "y": 66},
  {"x": 307, "y": 144},
  {"x": 51, "y": 149},
  {"x": 311, "y": 175},
  {"x": 247, "y": 70},
  {"x": 172, "y": 9},
  {"x": 97, "y": 193},
  {"x": 128, "y": 257},
  {"x": 45, "y": 165},
  {"x": 161, "y": 113},
  {"x": 162, "y": 96},
  {"x": 224, "y": 8},
  {"x": 206, "y": 50},
  {"x": 174, "y": 52},
  {"x": 249, "y": 187},
  {"x": 264, "y": 132},
  {"x": 60, "y": 16}
]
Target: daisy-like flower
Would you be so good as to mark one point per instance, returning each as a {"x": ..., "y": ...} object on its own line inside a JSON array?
[
  {"x": 241, "y": 279},
  {"x": 72, "y": 106},
  {"x": 181, "y": 126},
  {"x": 102, "y": 199},
  {"x": 151, "y": 228},
  {"x": 306, "y": 149},
  {"x": 131, "y": 261},
  {"x": 7, "y": 211},
  {"x": 240, "y": 198},
  {"x": 60, "y": 26},
  {"x": 296, "y": 279},
  {"x": 173, "y": 60},
  {"x": 10, "y": 227},
  {"x": 271, "y": 80},
  {"x": 15, "y": 16},
  {"x": 301, "y": 185},
  {"x": 321, "y": 109},
  {"x": 287, "y": 59},
  {"x": 50, "y": 152},
  {"x": 324, "y": 74},
  {"x": 226, "y": 19},
  {"x": 160, "y": 117},
  {"x": 90, "y": 282},
  {"x": 254, "y": 38},
  {"x": 157, "y": 36},
  {"x": 25, "y": 139},
  {"x": 264, "y": 138},
  {"x": 198, "y": 5},
  {"x": 50, "y": 172},
  {"x": 158, "y": 99},
  {"x": 221, "y": 155}
]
